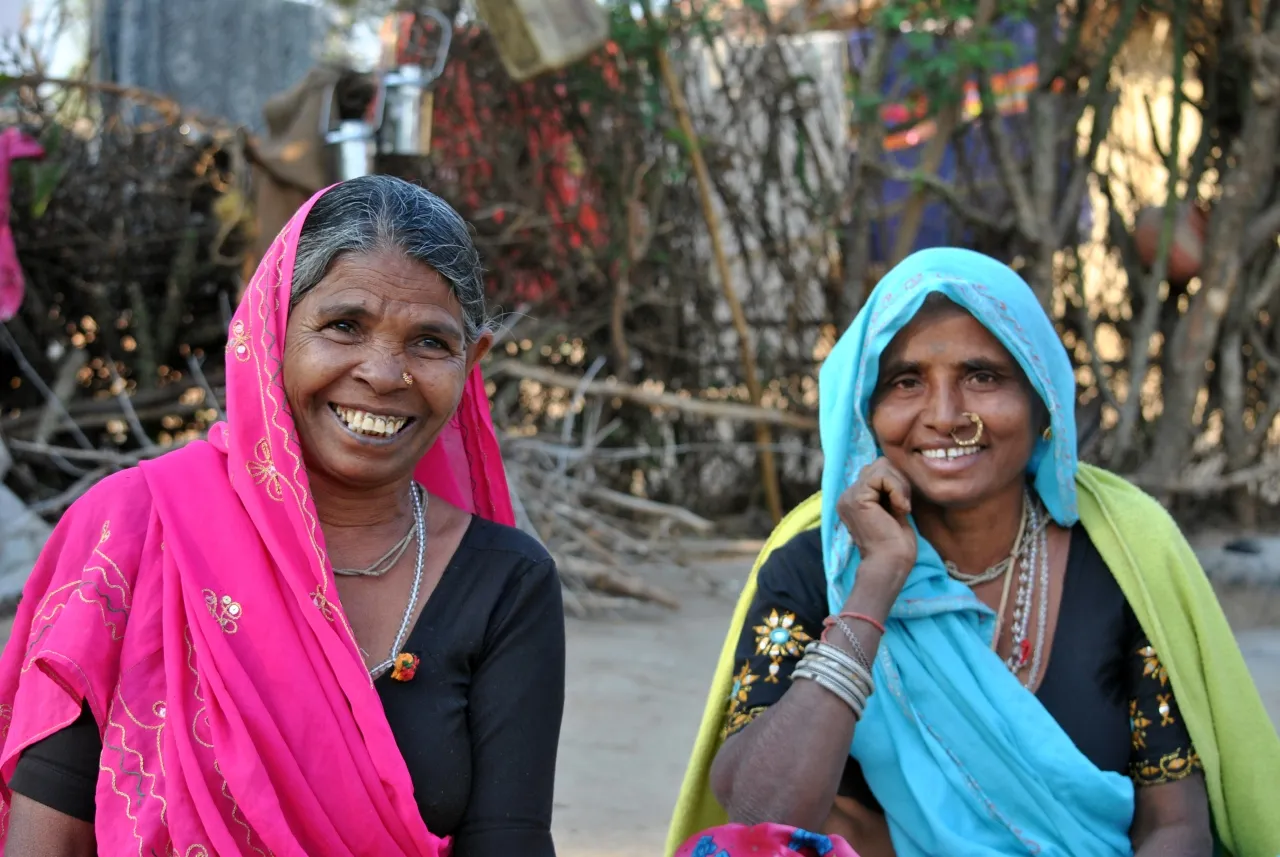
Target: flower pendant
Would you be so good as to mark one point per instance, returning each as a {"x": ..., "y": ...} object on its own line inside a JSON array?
[{"x": 404, "y": 667}]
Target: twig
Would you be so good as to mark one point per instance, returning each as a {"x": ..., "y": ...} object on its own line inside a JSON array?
[
  {"x": 197, "y": 372},
  {"x": 120, "y": 389},
  {"x": 649, "y": 507},
  {"x": 118, "y": 460},
  {"x": 640, "y": 396},
  {"x": 61, "y": 501},
  {"x": 945, "y": 191},
  {"x": 33, "y": 376},
  {"x": 64, "y": 386},
  {"x": 579, "y": 395}
]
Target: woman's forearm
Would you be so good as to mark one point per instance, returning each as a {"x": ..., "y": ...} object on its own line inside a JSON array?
[{"x": 785, "y": 766}]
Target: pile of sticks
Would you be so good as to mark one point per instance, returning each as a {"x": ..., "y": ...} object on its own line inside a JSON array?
[{"x": 604, "y": 540}]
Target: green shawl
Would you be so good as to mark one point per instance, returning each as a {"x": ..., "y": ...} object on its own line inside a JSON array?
[{"x": 1167, "y": 589}]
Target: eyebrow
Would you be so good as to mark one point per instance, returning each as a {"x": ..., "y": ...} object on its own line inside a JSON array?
[
  {"x": 897, "y": 367},
  {"x": 978, "y": 364},
  {"x": 345, "y": 309}
]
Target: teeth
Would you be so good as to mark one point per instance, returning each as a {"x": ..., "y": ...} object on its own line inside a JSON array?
[
  {"x": 952, "y": 452},
  {"x": 371, "y": 424}
]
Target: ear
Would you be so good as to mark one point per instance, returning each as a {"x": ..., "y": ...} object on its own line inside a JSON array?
[{"x": 477, "y": 350}]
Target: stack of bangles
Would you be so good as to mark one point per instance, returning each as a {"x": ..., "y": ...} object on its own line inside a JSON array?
[{"x": 847, "y": 676}]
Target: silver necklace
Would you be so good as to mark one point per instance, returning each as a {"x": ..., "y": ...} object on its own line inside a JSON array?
[
  {"x": 420, "y": 499},
  {"x": 384, "y": 563},
  {"x": 1000, "y": 568}
]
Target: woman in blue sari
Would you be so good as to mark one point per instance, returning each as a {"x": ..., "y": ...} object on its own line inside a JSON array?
[{"x": 969, "y": 643}]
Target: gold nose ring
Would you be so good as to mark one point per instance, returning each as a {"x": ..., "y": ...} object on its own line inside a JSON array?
[
  {"x": 408, "y": 382},
  {"x": 977, "y": 435}
]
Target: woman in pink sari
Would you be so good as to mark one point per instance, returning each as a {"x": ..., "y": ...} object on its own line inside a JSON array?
[{"x": 279, "y": 641}]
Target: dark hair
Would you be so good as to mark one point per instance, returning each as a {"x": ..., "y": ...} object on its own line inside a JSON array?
[{"x": 373, "y": 213}]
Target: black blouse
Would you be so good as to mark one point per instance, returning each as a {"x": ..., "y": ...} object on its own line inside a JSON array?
[
  {"x": 1104, "y": 684},
  {"x": 478, "y": 725}
]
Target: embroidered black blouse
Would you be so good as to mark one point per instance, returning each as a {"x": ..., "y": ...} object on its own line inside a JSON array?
[
  {"x": 478, "y": 725},
  {"x": 1104, "y": 684}
]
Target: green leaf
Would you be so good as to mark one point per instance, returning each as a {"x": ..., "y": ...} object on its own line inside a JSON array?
[
  {"x": 44, "y": 183},
  {"x": 678, "y": 137},
  {"x": 757, "y": 6}
]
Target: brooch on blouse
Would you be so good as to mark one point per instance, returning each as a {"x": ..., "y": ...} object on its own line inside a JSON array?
[{"x": 404, "y": 667}]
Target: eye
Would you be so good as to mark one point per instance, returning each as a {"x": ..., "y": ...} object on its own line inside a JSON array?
[
  {"x": 430, "y": 342},
  {"x": 905, "y": 382},
  {"x": 342, "y": 325},
  {"x": 982, "y": 376}
]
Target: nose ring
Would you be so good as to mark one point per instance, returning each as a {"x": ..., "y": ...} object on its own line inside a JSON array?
[
  {"x": 408, "y": 382},
  {"x": 977, "y": 435}
]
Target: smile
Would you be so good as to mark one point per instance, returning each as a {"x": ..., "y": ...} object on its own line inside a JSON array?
[
  {"x": 367, "y": 424},
  {"x": 951, "y": 452}
]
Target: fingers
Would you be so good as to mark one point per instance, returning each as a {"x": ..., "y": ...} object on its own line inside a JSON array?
[{"x": 881, "y": 479}]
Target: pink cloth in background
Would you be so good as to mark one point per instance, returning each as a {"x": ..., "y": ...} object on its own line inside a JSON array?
[
  {"x": 763, "y": 840},
  {"x": 191, "y": 602},
  {"x": 13, "y": 145}
]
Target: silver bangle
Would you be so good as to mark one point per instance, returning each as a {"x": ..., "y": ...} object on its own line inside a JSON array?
[
  {"x": 844, "y": 660},
  {"x": 833, "y": 687},
  {"x": 856, "y": 688}
]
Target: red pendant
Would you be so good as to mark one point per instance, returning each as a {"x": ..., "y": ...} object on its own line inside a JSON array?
[
  {"x": 1024, "y": 652},
  {"x": 404, "y": 667}
]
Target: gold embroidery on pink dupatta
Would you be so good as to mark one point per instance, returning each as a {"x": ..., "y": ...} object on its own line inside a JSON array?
[
  {"x": 225, "y": 612},
  {"x": 238, "y": 344},
  {"x": 264, "y": 472},
  {"x": 235, "y": 812},
  {"x": 200, "y": 713},
  {"x": 144, "y": 789}
]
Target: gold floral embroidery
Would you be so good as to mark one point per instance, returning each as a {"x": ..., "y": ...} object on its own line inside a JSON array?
[
  {"x": 1138, "y": 723},
  {"x": 1164, "y": 700},
  {"x": 264, "y": 472},
  {"x": 238, "y": 344},
  {"x": 780, "y": 637},
  {"x": 226, "y": 613},
  {"x": 738, "y": 720},
  {"x": 741, "y": 686},
  {"x": 1169, "y": 768},
  {"x": 323, "y": 604},
  {"x": 1151, "y": 666}
]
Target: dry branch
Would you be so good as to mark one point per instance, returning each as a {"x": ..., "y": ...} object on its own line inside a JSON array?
[{"x": 641, "y": 396}]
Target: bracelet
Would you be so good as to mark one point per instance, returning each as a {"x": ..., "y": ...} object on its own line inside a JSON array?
[
  {"x": 853, "y": 688},
  {"x": 833, "y": 686},
  {"x": 842, "y": 662},
  {"x": 861, "y": 617},
  {"x": 858, "y": 650}
]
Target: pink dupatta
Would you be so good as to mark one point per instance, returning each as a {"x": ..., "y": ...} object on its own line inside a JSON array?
[{"x": 191, "y": 604}]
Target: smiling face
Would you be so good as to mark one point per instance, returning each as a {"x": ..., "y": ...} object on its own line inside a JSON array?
[
  {"x": 349, "y": 342},
  {"x": 939, "y": 367}
]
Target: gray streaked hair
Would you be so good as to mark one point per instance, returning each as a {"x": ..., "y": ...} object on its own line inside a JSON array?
[{"x": 373, "y": 213}]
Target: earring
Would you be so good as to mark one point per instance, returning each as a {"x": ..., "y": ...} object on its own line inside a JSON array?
[
  {"x": 1047, "y": 434},
  {"x": 408, "y": 379},
  {"x": 977, "y": 436}
]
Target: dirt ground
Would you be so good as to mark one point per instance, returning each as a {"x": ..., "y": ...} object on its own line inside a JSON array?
[{"x": 637, "y": 683}]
